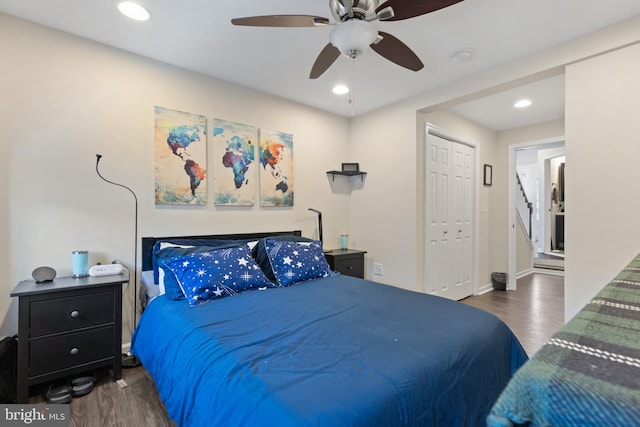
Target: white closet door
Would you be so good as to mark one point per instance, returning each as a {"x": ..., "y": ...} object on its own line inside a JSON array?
[
  {"x": 438, "y": 182},
  {"x": 448, "y": 218}
]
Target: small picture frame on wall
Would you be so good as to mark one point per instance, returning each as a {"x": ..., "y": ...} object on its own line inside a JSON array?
[
  {"x": 488, "y": 175},
  {"x": 351, "y": 167}
]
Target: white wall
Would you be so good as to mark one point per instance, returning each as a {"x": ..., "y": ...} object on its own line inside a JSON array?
[
  {"x": 386, "y": 204},
  {"x": 384, "y": 213},
  {"x": 526, "y": 134},
  {"x": 385, "y": 224},
  {"x": 5, "y": 161},
  {"x": 524, "y": 252},
  {"x": 602, "y": 174},
  {"x": 64, "y": 99},
  {"x": 485, "y": 140}
]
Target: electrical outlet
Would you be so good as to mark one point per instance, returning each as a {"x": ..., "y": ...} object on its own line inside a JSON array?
[{"x": 378, "y": 269}]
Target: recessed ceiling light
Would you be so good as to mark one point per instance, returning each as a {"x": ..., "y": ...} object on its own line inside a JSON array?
[
  {"x": 134, "y": 11},
  {"x": 340, "y": 90},
  {"x": 522, "y": 103}
]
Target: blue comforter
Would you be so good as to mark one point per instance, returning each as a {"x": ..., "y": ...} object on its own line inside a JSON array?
[{"x": 338, "y": 351}]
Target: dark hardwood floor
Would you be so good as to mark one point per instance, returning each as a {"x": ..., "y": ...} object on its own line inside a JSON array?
[
  {"x": 109, "y": 405},
  {"x": 534, "y": 312}
]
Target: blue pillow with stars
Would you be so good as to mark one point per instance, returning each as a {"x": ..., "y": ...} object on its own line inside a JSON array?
[
  {"x": 210, "y": 275},
  {"x": 294, "y": 262}
]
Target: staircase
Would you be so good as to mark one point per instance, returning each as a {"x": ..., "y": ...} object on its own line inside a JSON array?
[
  {"x": 524, "y": 207},
  {"x": 549, "y": 261}
]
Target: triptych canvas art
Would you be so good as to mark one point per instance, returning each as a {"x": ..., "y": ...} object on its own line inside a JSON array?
[{"x": 246, "y": 163}]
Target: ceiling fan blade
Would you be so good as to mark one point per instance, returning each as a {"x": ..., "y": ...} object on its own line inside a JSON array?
[
  {"x": 282, "y": 21},
  {"x": 326, "y": 58},
  {"x": 395, "y": 51},
  {"x": 405, "y": 9}
]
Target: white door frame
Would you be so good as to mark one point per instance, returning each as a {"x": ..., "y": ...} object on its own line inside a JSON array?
[
  {"x": 442, "y": 133},
  {"x": 511, "y": 223}
]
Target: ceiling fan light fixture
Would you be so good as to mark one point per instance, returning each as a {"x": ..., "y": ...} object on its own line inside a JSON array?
[
  {"x": 353, "y": 37},
  {"x": 134, "y": 11}
]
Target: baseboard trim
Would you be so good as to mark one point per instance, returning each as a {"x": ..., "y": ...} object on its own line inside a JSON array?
[
  {"x": 524, "y": 273},
  {"x": 548, "y": 271},
  {"x": 489, "y": 286},
  {"x": 484, "y": 289}
]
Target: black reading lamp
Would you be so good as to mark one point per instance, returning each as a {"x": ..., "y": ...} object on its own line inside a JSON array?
[
  {"x": 129, "y": 360},
  {"x": 319, "y": 223}
]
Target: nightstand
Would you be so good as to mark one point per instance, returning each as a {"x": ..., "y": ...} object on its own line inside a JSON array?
[
  {"x": 66, "y": 327},
  {"x": 346, "y": 261}
]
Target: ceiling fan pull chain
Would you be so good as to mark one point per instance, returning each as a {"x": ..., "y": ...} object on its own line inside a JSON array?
[{"x": 352, "y": 72}]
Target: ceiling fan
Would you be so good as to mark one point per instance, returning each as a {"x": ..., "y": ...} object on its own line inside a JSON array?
[{"x": 354, "y": 32}]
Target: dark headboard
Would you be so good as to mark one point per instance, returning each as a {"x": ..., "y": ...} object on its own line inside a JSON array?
[{"x": 149, "y": 242}]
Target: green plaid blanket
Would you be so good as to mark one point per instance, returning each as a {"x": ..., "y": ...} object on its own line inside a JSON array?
[{"x": 588, "y": 374}]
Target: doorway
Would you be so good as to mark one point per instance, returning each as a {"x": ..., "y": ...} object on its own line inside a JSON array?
[{"x": 546, "y": 150}]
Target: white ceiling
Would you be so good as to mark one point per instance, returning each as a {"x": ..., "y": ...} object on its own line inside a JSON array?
[
  {"x": 198, "y": 35},
  {"x": 498, "y": 113}
]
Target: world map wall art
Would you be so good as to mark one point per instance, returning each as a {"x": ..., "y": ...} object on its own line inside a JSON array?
[
  {"x": 276, "y": 168},
  {"x": 180, "y": 145},
  {"x": 234, "y": 167},
  {"x": 247, "y": 163}
]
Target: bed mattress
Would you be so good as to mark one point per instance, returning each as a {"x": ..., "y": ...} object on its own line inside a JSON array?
[{"x": 327, "y": 352}]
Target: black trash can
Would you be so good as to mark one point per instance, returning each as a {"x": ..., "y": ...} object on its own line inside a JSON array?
[{"x": 499, "y": 281}]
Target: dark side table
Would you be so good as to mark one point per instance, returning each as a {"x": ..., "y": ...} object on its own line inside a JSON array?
[
  {"x": 66, "y": 327},
  {"x": 346, "y": 261}
]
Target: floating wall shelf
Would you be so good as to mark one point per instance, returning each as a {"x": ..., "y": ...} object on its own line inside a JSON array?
[{"x": 347, "y": 173}]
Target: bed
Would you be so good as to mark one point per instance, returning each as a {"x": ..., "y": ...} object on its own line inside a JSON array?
[
  {"x": 331, "y": 350},
  {"x": 588, "y": 374}
]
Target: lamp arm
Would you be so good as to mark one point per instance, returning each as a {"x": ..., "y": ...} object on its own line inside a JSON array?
[
  {"x": 135, "y": 253},
  {"x": 319, "y": 223}
]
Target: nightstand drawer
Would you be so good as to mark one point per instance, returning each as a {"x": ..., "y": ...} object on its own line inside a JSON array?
[
  {"x": 67, "y": 314},
  {"x": 351, "y": 266},
  {"x": 349, "y": 262},
  {"x": 53, "y": 354}
]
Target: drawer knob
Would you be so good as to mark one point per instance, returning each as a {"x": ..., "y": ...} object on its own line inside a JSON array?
[
  {"x": 350, "y": 267},
  {"x": 74, "y": 351},
  {"x": 75, "y": 313}
]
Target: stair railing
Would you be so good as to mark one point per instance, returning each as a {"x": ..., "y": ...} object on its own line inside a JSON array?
[{"x": 524, "y": 206}]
